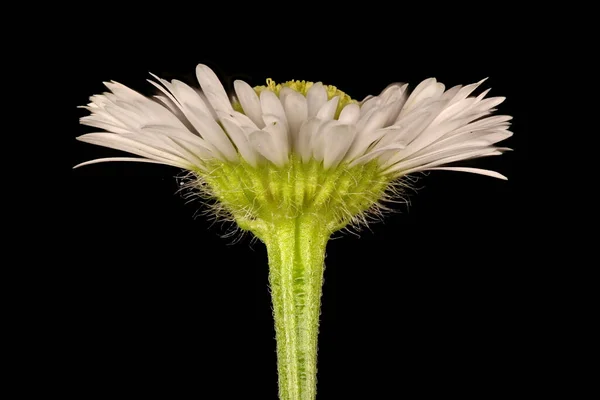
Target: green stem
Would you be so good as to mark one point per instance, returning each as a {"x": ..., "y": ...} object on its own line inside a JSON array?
[{"x": 296, "y": 249}]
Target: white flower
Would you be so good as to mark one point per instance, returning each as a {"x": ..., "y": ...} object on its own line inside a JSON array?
[
  {"x": 295, "y": 162},
  {"x": 405, "y": 132}
]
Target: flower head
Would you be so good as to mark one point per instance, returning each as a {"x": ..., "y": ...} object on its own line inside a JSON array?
[{"x": 278, "y": 150}]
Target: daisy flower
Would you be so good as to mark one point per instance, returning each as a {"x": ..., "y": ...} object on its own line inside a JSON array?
[{"x": 295, "y": 162}]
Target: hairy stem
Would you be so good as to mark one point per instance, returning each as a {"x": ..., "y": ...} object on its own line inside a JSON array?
[{"x": 296, "y": 249}]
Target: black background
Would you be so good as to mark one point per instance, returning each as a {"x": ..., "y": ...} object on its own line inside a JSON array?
[{"x": 434, "y": 300}]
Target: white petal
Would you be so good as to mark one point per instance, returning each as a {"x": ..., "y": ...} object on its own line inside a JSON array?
[
  {"x": 213, "y": 113},
  {"x": 440, "y": 158},
  {"x": 129, "y": 119},
  {"x": 451, "y": 93},
  {"x": 434, "y": 92},
  {"x": 278, "y": 130},
  {"x": 368, "y": 132},
  {"x": 203, "y": 150},
  {"x": 430, "y": 135},
  {"x": 124, "y": 92},
  {"x": 240, "y": 139},
  {"x": 377, "y": 120},
  {"x": 419, "y": 122},
  {"x": 91, "y": 120},
  {"x": 136, "y": 109},
  {"x": 161, "y": 115},
  {"x": 459, "y": 109},
  {"x": 464, "y": 92},
  {"x": 315, "y": 97},
  {"x": 365, "y": 99},
  {"x": 168, "y": 103},
  {"x": 193, "y": 156},
  {"x": 394, "y": 92},
  {"x": 428, "y": 86},
  {"x": 370, "y": 104},
  {"x": 302, "y": 145},
  {"x": 120, "y": 143},
  {"x": 497, "y": 120},
  {"x": 317, "y": 143},
  {"x": 410, "y": 122},
  {"x": 249, "y": 101},
  {"x": 496, "y": 136},
  {"x": 486, "y": 172},
  {"x": 361, "y": 144},
  {"x": 188, "y": 96},
  {"x": 376, "y": 153},
  {"x": 482, "y": 95},
  {"x": 285, "y": 92},
  {"x": 454, "y": 110},
  {"x": 154, "y": 112},
  {"x": 213, "y": 88},
  {"x": 132, "y": 159},
  {"x": 464, "y": 140},
  {"x": 488, "y": 104},
  {"x": 271, "y": 105},
  {"x": 327, "y": 111},
  {"x": 200, "y": 147},
  {"x": 242, "y": 120},
  {"x": 350, "y": 114},
  {"x": 296, "y": 111},
  {"x": 269, "y": 147},
  {"x": 364, "y": 118},
  {"x": 336, "y": 142},
  {"x": 159, "y": 142},
  {"x": 210, "y": 130},
  {"x": 388, "y": 136},
  {"x": 166, "y": 88},
  {"x": 171, "y": 131},
  {"x": 393, "y": 110},
  {"x": 159, "y": 146}
]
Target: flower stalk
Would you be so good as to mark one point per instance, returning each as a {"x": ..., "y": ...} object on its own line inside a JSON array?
[{"x": 296, "y": 250}]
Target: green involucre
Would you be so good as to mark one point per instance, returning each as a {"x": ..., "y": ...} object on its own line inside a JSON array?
[{"x": 260, "y": 197}]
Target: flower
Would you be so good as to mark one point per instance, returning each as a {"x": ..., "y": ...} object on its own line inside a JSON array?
[
  {"x": 281, "y": 150},
  {"x": 295, "y": 162}
]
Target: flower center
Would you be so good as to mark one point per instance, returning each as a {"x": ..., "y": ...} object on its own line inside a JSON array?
[
  {"x": 259, "y": 197},
  {"x": 302, "y": 87}
]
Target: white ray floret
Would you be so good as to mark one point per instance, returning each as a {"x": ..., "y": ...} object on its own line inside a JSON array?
[{"x": 405, "y": 132}]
